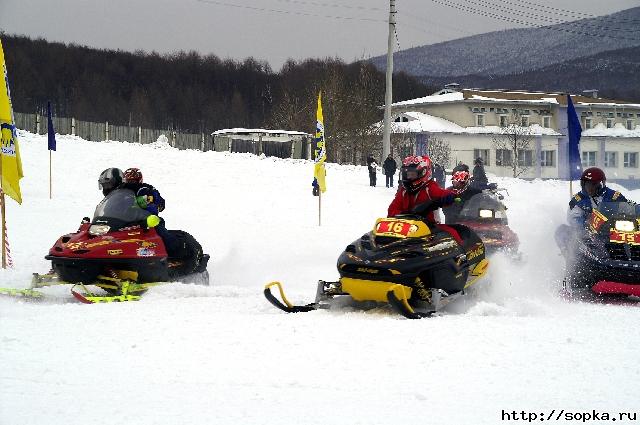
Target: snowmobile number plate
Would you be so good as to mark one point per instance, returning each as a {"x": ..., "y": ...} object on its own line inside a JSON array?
[
  {"x": 400, "y": 228},
  {"x": 632, "y": 238}
]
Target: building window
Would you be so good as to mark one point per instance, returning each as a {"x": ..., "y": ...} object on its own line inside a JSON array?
[
  {"x": 629, "y": 124},
  {"x": 503, "y": 157},
  {"x": 631, "y": 160},
  {"x": 480, "y": 120},
  {"x": 548, "y": 158},
  {"x": 482, "y": 154},
  {"x": 588, "y": 123},
  {"x": 524, "y": 121},
  {"x": 611, "y": 159},
  {"x": 525, "y": 158},
  {"x": 609, "y": 123},
  {"x": 546, "y": 122},
  {"x": 504, "y": 121},
  {"x": 588, "y": 159}
]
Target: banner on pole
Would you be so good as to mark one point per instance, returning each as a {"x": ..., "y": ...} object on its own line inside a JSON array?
[
  {"x": 11, "y": 162},
  {"x": 319, "y": 152}
]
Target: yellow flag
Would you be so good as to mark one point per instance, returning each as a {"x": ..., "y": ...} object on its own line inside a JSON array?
[
  {"x": 319, "y": 151},
  {"x": 11, "y": 163}
]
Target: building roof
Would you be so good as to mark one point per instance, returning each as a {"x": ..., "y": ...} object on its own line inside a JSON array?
[
  {"x": 258, "y": 131},
  {"x": 513, "y": 96},
  {"x": 618, "y": 130},
  {"x": 420, "y": 122}
]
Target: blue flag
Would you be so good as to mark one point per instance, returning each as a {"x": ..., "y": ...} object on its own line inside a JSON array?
[
  {"x": 50, "y": 131},
  {"x": 575, "y": 132}
]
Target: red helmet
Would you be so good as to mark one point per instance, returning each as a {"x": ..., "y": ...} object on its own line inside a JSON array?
[
  {"x": 460, "y": 181},
  {"x": 133, "y": 175},
  {"x": 415, "y": 172},
  {"x": 593, "y": 180}
]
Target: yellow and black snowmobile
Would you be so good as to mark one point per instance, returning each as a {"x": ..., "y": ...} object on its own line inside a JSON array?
[{"x": 416, "y": 267}]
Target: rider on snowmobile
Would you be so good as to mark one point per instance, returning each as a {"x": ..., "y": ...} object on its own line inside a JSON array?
[
  {"x": 460, "y": 186},
  {"x": 594, "y": 191},
  {"x": 419, "y": 187},
  {"x": 110, "y": 179},
  {"x": 149, "y": 198}
]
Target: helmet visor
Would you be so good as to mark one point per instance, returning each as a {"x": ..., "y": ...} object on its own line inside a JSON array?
[
  {"x": 410, "y": 174},
  {"x": 593, "y": 188}
]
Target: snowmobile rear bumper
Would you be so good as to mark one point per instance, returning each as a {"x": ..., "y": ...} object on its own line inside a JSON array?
[{"x": 609, "y": 287}]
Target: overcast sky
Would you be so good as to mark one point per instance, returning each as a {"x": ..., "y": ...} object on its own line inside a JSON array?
[{"x": 274, "y": 30}]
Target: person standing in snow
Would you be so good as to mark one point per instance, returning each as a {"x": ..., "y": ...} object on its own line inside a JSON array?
[
  {"x": 372, "y": 167},
  {"x": 390, "y": 166},
  {"x": 439, "y": 174},
  {"x": 480, "y": 179}
]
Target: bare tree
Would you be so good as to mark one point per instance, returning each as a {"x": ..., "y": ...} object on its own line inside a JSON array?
[
  {"x": 439, "y": 151},
  {"x": 513, "y": 144}
]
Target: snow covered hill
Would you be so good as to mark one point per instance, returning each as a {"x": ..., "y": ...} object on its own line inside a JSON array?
[
  {"x": 221, "y": 354},
  {"x": 514, "y": 51}
]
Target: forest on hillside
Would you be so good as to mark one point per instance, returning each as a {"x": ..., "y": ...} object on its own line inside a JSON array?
[{"x": 190, "y": 92}]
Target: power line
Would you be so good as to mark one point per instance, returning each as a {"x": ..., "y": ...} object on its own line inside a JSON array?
[
  {"x": 569, "y": 13},
  {"x": 531, "y": 15},
  {"x": 342, "y": 6},
  {"x": 523, "y": 22},
  {"x": 422, "y": 19},
  {"x": 288, "y": 12}
]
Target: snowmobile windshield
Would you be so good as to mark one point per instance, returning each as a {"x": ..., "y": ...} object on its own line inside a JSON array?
[
  {"x": 484, "y": 206},
  {"x": 119, "y": 209},
  {"x": 618, "y": 210}
]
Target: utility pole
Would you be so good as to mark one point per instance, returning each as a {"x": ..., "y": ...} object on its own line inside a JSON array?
[{"x": 388, "y": 95}]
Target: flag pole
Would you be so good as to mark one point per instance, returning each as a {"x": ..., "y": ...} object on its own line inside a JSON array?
[
  {"x": 2, "y": 210},
  {"x": 50, "y": 174},
  {"x": 319, "y": 207}
]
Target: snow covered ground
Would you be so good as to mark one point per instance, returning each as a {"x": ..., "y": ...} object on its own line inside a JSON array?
[{"x": 221, "y": 354}]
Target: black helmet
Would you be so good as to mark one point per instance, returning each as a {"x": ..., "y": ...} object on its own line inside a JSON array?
[
  {"x": 478, "y": 161},
  {"x": 109, "y": 180}
]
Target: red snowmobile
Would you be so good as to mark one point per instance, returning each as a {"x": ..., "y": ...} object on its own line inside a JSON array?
[
  {"x": 119, "y": 252},
  {"x": 486, "y": 214}
]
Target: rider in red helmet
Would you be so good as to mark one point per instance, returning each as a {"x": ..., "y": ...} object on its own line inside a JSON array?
[
  {"x": 593, "y": 183},
  {"x": 417, "y": 187},
  {"x": 462, "y": 188}
]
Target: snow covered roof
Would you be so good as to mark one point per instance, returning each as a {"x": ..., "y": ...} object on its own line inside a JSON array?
[
  {"x": 419, "y": 122},
  {"x": 438, "y": 98},
  {"x": 258, "y": 131},
  {"x": 618, "y": 130},
  {"x": 513, "y": 96}
]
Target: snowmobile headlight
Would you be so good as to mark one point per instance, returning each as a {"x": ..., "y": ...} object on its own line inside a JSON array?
[
  {"x": 625, "y": 226},
  {"x": 485, "y": 213},
  {"x": 98, "y": 229}
]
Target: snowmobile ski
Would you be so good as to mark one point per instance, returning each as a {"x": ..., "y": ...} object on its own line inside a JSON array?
[
  {"x": 25, "y": 293},
  {"x": 285, "y": 305}
]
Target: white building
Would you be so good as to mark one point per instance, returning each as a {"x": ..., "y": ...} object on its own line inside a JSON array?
[
  {"x": 280, "y": 143},
  {"x": 474, "y": 123}
]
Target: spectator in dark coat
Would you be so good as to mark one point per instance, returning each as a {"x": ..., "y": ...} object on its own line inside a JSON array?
[
  {"x": 439, "y": 174},
  {"x": 372, "y": 166},
  {"x": 390, "y": 166},
  {"x": 480, "y": 180}
]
